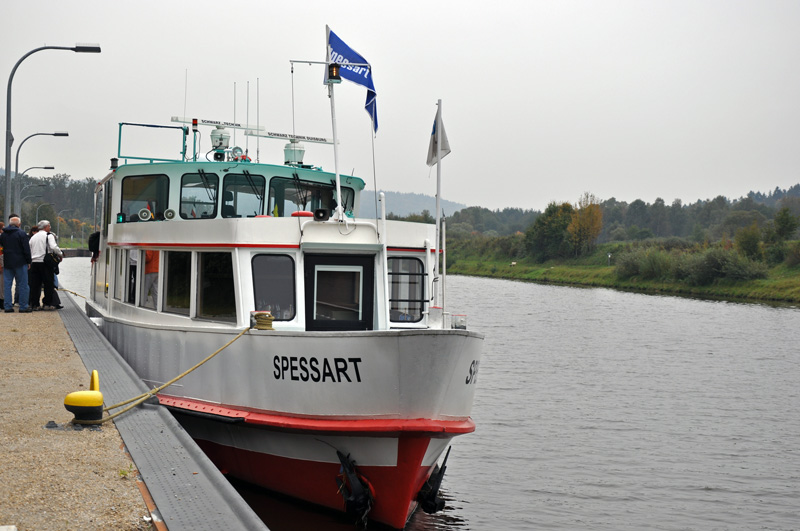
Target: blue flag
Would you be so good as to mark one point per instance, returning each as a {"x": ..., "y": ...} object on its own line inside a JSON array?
[{"x": 353, "y": 68}]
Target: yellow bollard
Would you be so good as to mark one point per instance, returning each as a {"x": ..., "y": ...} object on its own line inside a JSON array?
[{"x": 86, "y": 405}]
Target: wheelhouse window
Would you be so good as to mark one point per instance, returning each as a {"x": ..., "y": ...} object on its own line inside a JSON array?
[
  {"x": 290, "y": 195},
  {"x": 199, "y": 195},
  {"x": 407, "y": 293},
  {"x": 177, "y": 281},
  {"x": 215, "y": 289},
  {"x": 273, "y": 285},
  {"x": 243, "y": 195},
  {"x": 339, "y": 292},
  {"x": 143, "y": 193}
]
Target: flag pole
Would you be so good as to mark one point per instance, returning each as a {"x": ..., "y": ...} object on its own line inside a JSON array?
[
  {"x": 339, "y": 210},
  {"x": 436, "y": 247}
]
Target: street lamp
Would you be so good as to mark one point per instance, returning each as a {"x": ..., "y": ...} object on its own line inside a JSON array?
[
  {"x": 17, "y": 201},
  {"x": 16, "y": 165},
  {"x": 78, "y": 48},
  {"x": 58, "y": 223},
  {"x": 37, "y": 211},
  {"x": 28, "y": 197}
]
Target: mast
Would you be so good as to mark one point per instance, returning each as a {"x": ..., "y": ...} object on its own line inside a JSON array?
[
  {"x": 339, "y": 210},
  {"x": 436, "y": 245}
]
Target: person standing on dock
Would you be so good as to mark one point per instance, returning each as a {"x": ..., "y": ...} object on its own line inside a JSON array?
[
  {"x": 16, "y": 262},
  {"x": 2, "y": 283},
  {"x": 42, "y": 243}
]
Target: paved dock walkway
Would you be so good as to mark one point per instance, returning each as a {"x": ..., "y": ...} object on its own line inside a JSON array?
[{"x": 65, "y": 479}]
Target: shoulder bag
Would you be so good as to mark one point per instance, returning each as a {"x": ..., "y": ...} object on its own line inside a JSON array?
[{"x": 51, "y": 259}]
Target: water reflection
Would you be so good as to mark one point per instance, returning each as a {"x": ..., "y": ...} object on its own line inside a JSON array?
[{"x": 281, "y": 513}]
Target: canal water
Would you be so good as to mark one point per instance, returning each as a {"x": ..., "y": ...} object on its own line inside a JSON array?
[{"x": 599, "y": 409}]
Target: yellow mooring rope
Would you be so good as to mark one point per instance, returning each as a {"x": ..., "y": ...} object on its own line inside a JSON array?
[
  {"x": 141, "y": 398},
  {"x": 68, "y": 291}
]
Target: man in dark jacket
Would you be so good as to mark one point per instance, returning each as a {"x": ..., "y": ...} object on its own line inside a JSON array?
[{"x": 16, "y": 262}]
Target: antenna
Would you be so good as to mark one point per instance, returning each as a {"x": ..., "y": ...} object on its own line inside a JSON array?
[
  {"x": 258, "y": 116},
  {"x": 234, "y": 111},
  {"x": 185, "y": 88},
  {"x": 247, "y": 140}
]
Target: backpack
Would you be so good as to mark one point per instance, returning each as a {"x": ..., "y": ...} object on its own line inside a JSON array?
[{"x": 94, "y": 242}]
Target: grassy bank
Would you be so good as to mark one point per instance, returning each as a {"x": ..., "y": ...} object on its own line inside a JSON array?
[{"x": 781, "y": 285}]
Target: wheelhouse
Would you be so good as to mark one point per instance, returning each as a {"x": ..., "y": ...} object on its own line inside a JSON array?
[{"x": 234, "y": 239}]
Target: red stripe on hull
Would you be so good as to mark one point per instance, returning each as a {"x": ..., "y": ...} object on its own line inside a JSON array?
[
  {"x": 395, "y": 487},
  {"x": 361, "y": 426}
]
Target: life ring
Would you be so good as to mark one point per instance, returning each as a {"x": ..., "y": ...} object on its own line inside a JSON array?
[{"x": 242, "y": 158}]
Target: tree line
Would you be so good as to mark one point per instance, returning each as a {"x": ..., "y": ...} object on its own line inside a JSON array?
[
  {"x": 46, "y": 197},
  {"x": 757, "y": 226}
]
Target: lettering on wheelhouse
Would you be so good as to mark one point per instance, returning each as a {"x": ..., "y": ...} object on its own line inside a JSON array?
[{"x": 317, "y": 370}]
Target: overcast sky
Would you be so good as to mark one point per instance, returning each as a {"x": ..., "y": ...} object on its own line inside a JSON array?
[{"x": 542, "y": 100}]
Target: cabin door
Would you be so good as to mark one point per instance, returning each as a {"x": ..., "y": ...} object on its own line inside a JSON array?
[{"x": 340, "y": 291}]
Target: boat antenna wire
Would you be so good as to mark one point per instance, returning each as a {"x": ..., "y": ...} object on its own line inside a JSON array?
[
  {"x": 247, "y": 140},
  {"x": 258, "y": 118},
  {"x": 294, "y": 133},
  {"x": 185, "y": 93}
]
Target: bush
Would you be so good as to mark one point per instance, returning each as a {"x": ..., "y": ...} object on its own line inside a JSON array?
[
  {"x": 793, "y": 255},
  {"x": 737, "y": 267},
  {"x": 748, "y": 240},
  {"x": 628, "y": 264},
  {"x": 703, "y": 269},
  {"x": 654, "y": 265},
  {"x": 717, "y": 263},
  {"x": 776, "y": 253}
]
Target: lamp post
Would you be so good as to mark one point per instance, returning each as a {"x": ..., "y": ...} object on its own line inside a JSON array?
[
  {"x": 78, "y": 48},
  {"x": 16, "y": 165},
  {"x": 58, "y": 223},
  {"x": 28, "y": 197},
  {"x": 37, "y": 211},
  {"x": 17, "y": 200}
]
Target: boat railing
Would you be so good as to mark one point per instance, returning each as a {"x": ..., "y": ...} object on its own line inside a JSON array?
[{"x": 184, "y": 134}]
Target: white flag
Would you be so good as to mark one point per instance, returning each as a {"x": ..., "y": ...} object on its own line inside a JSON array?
[{"x": 444, "y": 149}]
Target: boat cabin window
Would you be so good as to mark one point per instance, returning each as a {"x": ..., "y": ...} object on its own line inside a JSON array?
[
  {"x": 99, "y": 196},
  {"x": 107, "y": 201},
  {"x": 132, "y": 257},
  {"x": 339, "y": 292},
  {"x": 149, "y": 294},
  {"x": 199, "y": 195},
  {"x": 407, "y": 289},
  {"x": 273, "y": 285},
  {"x": 125, "y": 279},
  {"x": 243, "y": 195},
  {"x": 119, "y": 281},
  {"x": 144, "y": 192},
  {"x": 177, "y": 282},
  {"x": 290, "y": 195},
  {"x": 215, "y": 289}
]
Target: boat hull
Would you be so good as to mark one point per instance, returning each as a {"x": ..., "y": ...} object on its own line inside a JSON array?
[
  {"x": 305, "y": 465},
  {"x": 268, "y": 418}
]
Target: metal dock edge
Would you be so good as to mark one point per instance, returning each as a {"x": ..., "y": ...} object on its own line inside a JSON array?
[{"x": 188, "y": 490}]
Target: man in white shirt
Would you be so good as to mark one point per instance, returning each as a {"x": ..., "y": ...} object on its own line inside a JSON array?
[{"x": 41, "y": 274}]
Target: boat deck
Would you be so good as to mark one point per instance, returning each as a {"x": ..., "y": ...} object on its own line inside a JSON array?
[{"x": 187, "y": 489}]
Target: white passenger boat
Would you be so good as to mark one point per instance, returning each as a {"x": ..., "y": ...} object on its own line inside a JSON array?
[{"x": 353, "y": 397}]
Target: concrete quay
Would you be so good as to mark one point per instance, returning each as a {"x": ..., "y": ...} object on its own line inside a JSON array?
[{"x": 139, "y": 472}]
